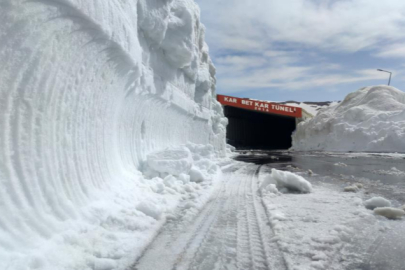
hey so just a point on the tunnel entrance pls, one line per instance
(257, 130)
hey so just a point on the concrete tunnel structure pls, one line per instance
(255, 124)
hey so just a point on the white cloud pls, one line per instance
(295, 78)
(392, 51)
(345, 25)
(302, 44)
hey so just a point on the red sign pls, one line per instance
(261, 106)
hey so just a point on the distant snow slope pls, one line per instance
(87, 90)
(370, 119)
(311, 107)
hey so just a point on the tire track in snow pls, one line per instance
(275, 257)
(231, 232)
(219, 236)
(170, 245)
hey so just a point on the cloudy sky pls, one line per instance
(306, 50)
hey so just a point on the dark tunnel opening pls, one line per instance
(255, 130)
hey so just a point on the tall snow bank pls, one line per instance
(87, 90)
(370, 119)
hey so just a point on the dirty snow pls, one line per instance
(370, 119)
(389, 212)
(351, 189)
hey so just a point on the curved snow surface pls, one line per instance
(87, 90)
(370, 119)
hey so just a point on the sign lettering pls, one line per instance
(261, 106)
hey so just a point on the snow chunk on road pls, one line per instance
(370, 119)
(389, 212)
(288, 180)
(377, 202)
(351, 189)
(171, 161)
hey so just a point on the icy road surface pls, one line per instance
(231, 232)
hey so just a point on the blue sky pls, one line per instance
(305, 50)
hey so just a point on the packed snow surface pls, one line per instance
(285, 180)
(312, 229)
(370, 119)
(91, 92)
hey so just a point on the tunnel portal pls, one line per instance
(256, 130)
(259, 125)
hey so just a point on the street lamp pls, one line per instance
(389, 81)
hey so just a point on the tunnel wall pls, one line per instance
(256, 130)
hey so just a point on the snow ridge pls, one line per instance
(87, 90)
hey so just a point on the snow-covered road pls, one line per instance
(231, 232)
(243, 228)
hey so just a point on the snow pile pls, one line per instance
(377, 202)
(370, 119)
(88, 89)
(279, 180)
(189, 163)
(170, 161)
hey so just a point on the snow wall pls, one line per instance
(370, 119)
(87, 90)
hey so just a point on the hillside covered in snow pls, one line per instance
(91, 93)
(370, 119)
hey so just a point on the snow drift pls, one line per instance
(370, 119)
(87, 90)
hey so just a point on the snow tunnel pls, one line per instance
(258, 124)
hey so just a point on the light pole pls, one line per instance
(389, 81)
